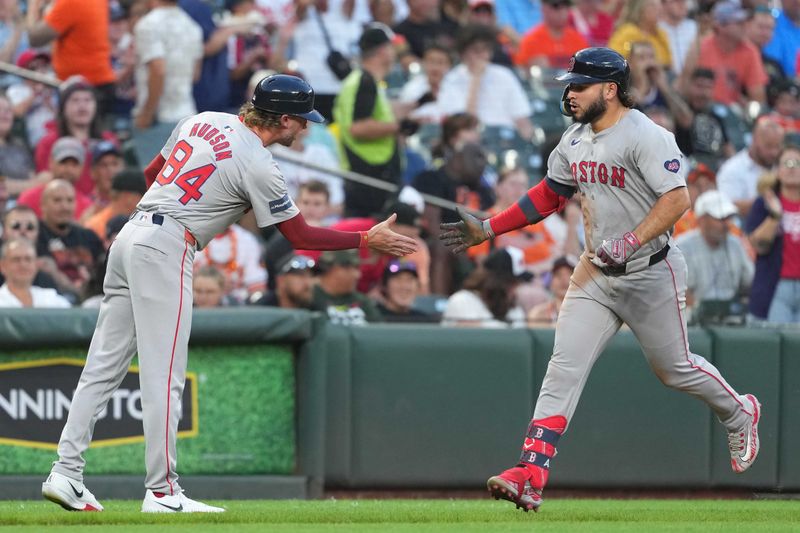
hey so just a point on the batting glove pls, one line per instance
(468, 232)
(618, 251)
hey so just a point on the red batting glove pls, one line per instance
(618, 251)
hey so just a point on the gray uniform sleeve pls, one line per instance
(173, 138)
(659, 160)
(268, 194)
(558, 168)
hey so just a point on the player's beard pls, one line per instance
(594, 111)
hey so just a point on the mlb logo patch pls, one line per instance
(672, 165)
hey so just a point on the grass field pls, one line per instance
(417, 516)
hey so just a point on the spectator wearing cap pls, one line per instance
(457, 180)
(169, 48)
(786, 40)
(425, 25)
(704, 138)
(336, 294)
(127, 188)
(784, 100)
(34, 103)
(75, 249)
(718, 265)
(739, 74)
(681, 30)
(546, 313)
(552, 43)
(80, 31)
(368, 128)
(699, 180)
(208, 288)
(237, 254)
(594, 24)
(16, 162)
(107, 162)
(67, 158)
(18, 266)
(639, 22)
(760, 28)
(488, 297)
(399, 290)
(773, 226)
(79, 117)
(294, 283)
(738, 176)
(491, 92)
(482, 12)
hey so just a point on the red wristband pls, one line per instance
(364, 243)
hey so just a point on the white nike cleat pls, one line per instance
(157, 502)
(743, 443)
(70, 494)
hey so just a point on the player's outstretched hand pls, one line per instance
(462, 235)
(383, 240)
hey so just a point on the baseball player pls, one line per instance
(629, 175)
(212, 170)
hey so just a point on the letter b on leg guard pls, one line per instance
(540, 447)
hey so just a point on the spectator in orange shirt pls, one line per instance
(736, 62)
(127, 188)
(80, 31)
(551, 43)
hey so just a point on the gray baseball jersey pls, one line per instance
(216, 170)
(621, 170)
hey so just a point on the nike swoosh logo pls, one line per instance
(177, 509)
(78, 494)
(574, 142)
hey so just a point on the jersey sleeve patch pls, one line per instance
(281, 204)
(673, 165)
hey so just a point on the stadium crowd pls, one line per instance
(448, 98)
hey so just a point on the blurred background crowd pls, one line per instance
(453, 99)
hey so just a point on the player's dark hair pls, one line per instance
(255, 117)
(315, 187)
(495, 291)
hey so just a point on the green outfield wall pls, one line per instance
(278, 393)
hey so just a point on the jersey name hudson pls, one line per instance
(215, 139)
(594, 172)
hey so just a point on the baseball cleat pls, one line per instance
(743, 443)
(70, 494)
(158, 502)
(514, 485)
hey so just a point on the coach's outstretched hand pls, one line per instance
(462, 235)
(382, 239)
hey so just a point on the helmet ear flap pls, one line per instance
(563, 103)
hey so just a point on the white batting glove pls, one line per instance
(618, 251)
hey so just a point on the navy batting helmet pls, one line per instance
(282, 94)
(595, 65)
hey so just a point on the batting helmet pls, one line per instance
(596, 65)
(282, 94)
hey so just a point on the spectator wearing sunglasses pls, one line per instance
(20, 222)
(294, 283)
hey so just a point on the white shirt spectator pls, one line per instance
(681, 38)
(501, 98)
(720, 273)
(237, 254)
(466, 308)
(311, 52)
(41, 112)
(738, 176)
(168, 33)
(412, 91)
(42, 298)
(295, 175)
